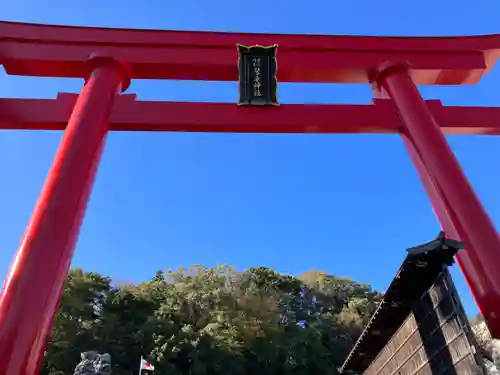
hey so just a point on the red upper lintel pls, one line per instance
(61, 51)
(131, 115)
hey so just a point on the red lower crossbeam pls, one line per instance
(129, 114)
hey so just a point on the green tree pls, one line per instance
(201, 320)
(77, 321)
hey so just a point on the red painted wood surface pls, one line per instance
(128, 114)
(453, 194)
(31, 292)
(62, 51)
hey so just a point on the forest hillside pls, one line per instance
(216, 321)
(201, 320)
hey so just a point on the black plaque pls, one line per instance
(257, 68)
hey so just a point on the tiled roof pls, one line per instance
(417, 273)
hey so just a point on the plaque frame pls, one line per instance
(246, 95)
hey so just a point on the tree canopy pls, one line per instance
(202, 320)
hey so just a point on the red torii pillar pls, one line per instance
(456, 205)
(31, 293)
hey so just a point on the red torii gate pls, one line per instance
(110, 58)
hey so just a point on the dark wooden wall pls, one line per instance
(435, 339)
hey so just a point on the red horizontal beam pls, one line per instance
(61, 51)
(131, 115)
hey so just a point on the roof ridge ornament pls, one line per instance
(445, 247)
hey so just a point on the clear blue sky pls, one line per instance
(349, 205)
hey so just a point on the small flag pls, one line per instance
(145, 365)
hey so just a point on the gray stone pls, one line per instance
(93, 363)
